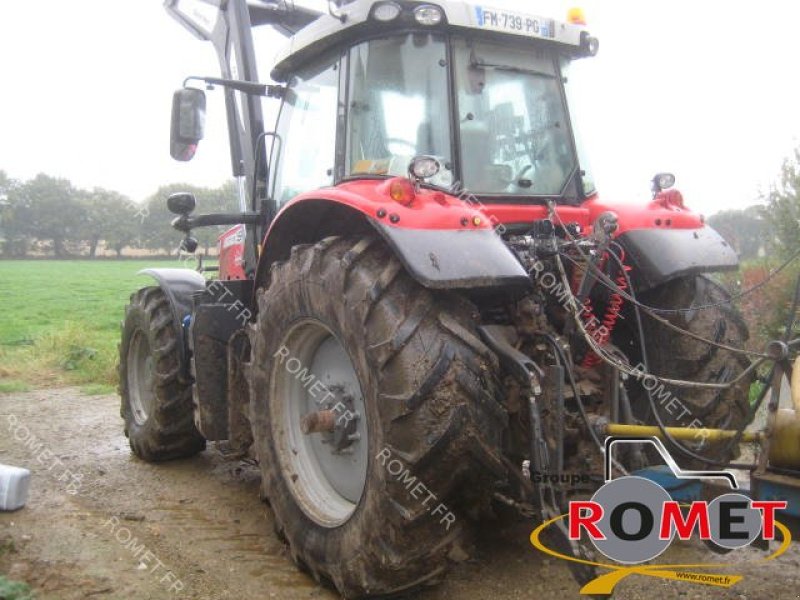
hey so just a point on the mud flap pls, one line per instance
(240, 431)
(661, 255)
(456, 259)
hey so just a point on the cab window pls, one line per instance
(308, 133)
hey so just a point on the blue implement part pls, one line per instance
(773, 486)
(681, 490)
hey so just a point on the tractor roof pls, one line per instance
(357, 20)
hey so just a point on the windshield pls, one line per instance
(514, 132)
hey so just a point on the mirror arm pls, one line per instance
(186, 223)
(247, 87)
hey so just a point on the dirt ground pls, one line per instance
(141, 531)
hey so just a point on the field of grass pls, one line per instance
(60, 321)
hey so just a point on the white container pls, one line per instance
(14, 485)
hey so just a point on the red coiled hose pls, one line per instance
(613, 313)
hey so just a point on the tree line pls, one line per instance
(772, 227)
(49, 215)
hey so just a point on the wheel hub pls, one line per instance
(140, 378)
(317, 418)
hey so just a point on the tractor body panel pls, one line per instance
(231, 254)
(454, 242)
(220, 310)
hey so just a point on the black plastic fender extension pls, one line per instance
(456, 259)
(660, 255)
(179, 285)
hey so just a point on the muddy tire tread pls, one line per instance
(441, 419)
(169, 432)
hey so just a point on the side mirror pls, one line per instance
(188, 123)
(181, 203)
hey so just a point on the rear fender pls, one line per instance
(443, 242)
(661, 255)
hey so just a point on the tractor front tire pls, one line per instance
(383, 514)
(156, 404)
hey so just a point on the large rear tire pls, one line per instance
(156, 404)
(678, 356)
(383, 515)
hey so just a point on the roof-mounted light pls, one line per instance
(428, 15)
(576, 16)
(590, 45)
(386, 11)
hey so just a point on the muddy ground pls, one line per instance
(141, 531)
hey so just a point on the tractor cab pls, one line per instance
(479, 92)
(474, 97)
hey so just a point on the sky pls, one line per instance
(706, 90)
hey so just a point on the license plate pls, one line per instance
(508, 21)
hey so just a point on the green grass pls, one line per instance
(8, 386)
(61, 321)
(14, 590)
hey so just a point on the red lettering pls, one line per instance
(586, 515)
(697, 517)
(769, 507)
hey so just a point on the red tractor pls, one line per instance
(425, 312)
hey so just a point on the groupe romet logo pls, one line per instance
(632, 520)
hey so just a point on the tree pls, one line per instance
(13, 243)
(783, 206)
(746, 230)
(156, 232)
(109, 216)
(47, 208)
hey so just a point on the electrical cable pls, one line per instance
(737, 296)
(608, 283)
(650, 311)
(654, 409)
(611, 285)
(638, 307)
(638, 374)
